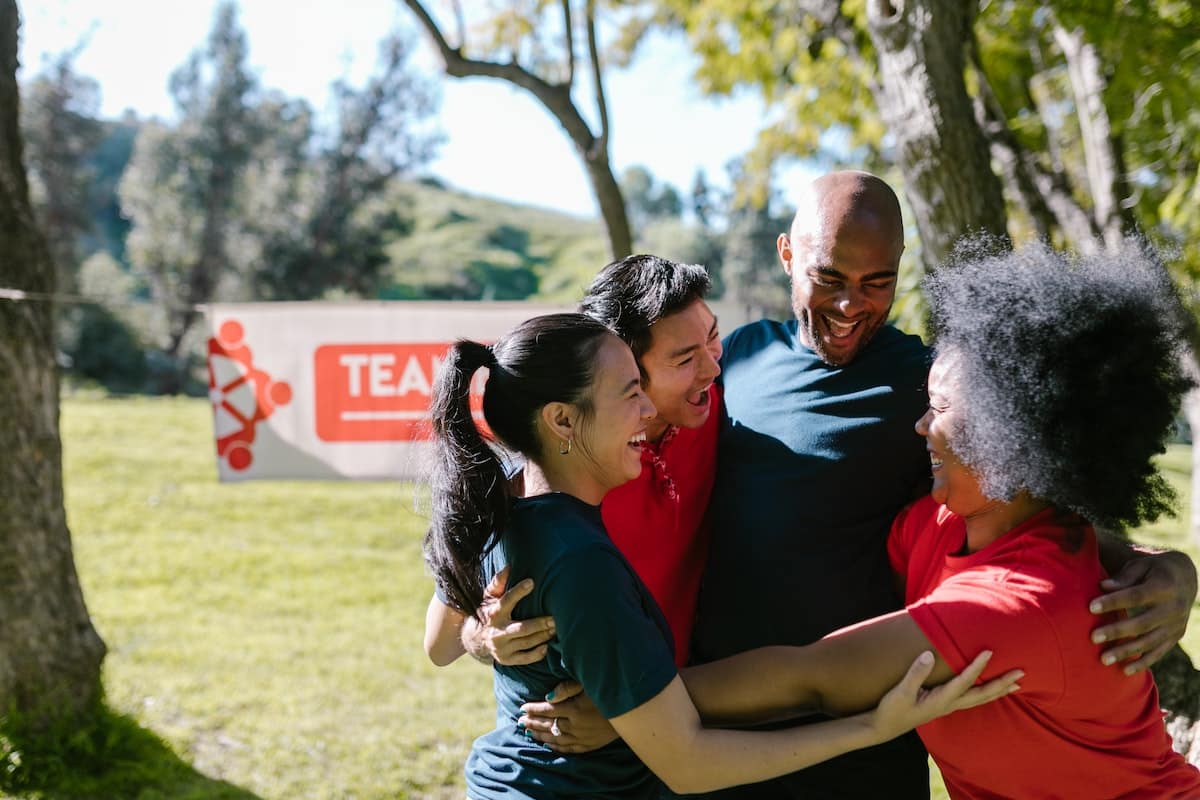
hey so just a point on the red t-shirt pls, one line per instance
(1076, 728)
(657, 519)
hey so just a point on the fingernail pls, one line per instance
(1095, 607)
(1108, 659)
(551, 627)
(1098, 637)
(1020, 674)
(987, 655)
(926, 657)
(1016, 687)
(1130, 670)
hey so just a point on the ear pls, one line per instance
(784, 247)
(559, 419)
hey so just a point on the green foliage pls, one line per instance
(647, 199)
(106, 351)
(60, 131)
(322, 222)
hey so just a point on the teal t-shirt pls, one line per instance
(611, 637)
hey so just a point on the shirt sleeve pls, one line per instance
(991, 609)
(610, 639)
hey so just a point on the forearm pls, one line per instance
(666, 733)
(846, 672)
(755, 686)
(442, 632)
(716, 759)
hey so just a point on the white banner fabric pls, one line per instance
(335, 390)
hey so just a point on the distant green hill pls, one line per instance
(464, 247)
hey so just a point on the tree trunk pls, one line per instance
(1099, 151)
(921, 94)
(49, 652)
(611, 202)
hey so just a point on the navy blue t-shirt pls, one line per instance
(814, 462)
(610, 636)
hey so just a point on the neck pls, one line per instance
(998, 518)
(564, 474)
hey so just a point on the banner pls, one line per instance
(336, 390)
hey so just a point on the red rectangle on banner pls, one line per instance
(378, 392)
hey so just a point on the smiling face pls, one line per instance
(954, 484)
(680, 365)
(610, 429)
(843, 284)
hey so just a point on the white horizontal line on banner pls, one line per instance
(359, 416)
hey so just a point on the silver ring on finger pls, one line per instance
(554, 729)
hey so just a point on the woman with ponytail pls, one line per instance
(565, 393)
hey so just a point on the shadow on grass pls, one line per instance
(107, 757)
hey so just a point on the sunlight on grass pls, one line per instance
(269, 632)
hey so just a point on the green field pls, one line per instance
(268, 634)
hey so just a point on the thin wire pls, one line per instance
(20, 295)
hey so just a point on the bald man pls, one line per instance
(817, 454)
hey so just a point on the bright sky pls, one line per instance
(499, 141)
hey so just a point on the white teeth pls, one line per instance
(840, 329)
(935, 461)
(638, 438)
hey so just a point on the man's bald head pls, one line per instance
(842, 254)
(848, 195)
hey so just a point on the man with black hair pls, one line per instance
(657, 307)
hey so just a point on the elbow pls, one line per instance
(440, 653)
(684, 782)
(688, 780)
(438, 659)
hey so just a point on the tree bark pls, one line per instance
(556, 97)
(921, 94)
(1100, 153)
(49, 652)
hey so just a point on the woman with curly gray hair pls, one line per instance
(1056, 382)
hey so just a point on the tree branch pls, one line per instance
(1099, 146)
(569, 37)
(594, 54)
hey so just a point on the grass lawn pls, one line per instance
(266, 636)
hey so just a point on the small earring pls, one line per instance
(564, 447)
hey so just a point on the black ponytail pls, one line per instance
(469, 494)
(546, 359)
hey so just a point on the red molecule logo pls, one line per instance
(242, 395)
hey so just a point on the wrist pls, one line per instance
(472, 640)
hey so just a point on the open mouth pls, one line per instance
(699, 399)
(840, 330)
(935, 461)
(636, 440)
